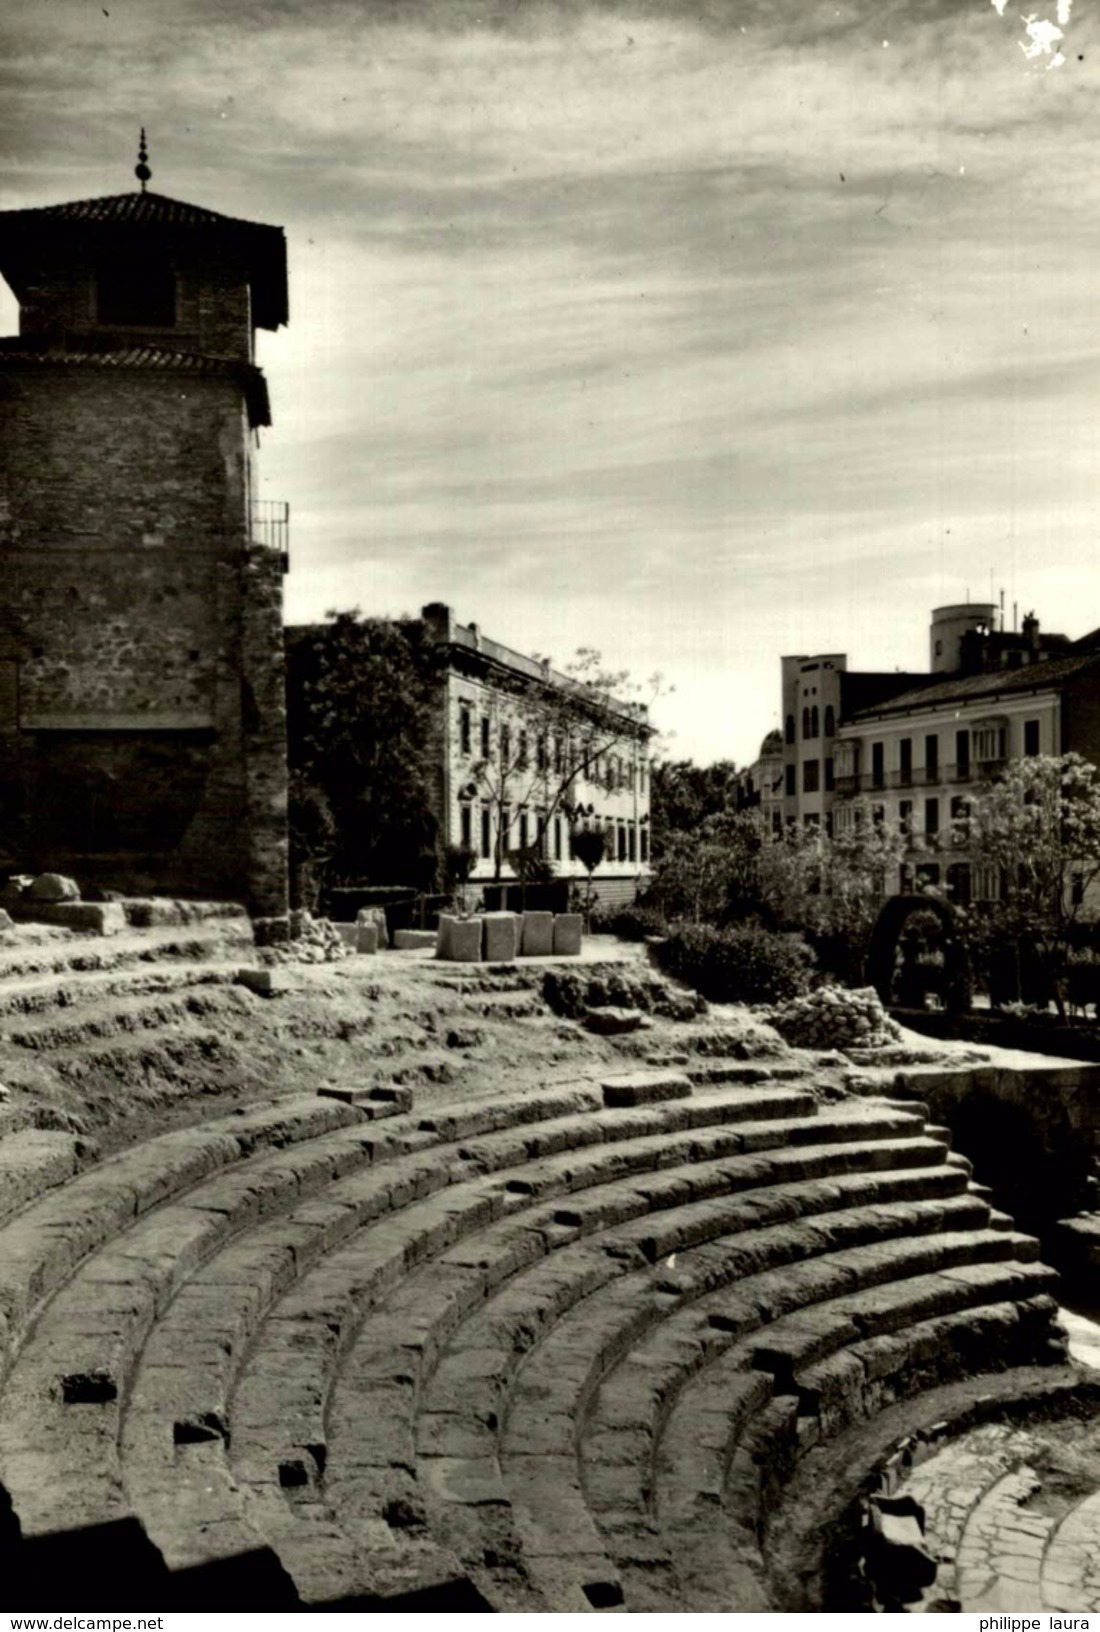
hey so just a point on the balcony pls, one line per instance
(270, 527)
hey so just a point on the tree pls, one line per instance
(1038, 829)
(546, 737)
(685, 795)
(359, 710)
(709, 873)
(832, 888)
(588, 845)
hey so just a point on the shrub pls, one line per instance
(630, 923)
(741, 964)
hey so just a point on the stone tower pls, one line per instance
(142, 712)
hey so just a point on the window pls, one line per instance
(622, 841)
(878, 815)
(1031, 738)
(962, 754)
(466, 818)
(958, 883)
(557, 838)
(486, 833)
(505, 827)
(905, 760)
(464, 725)
(931, 816)
(505, 745)
(643, 840)
(524, 836)
(989, 744)
(1077, 887)
(632, 842)
(830, 779)
(523, 750)
(931, 758)
(788, 730)
(541, 759)
(928, 873)
(829, 823)
(878, 765)
(788, 781)
(559, 757)
(136, 292)
(811, 771)
(777, 823)
(830, 721)
(805, 725)
(485, 735)
(815, 726)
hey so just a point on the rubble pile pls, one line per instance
(834, 1017)
(312, 940)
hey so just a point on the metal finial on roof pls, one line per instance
(141, 168)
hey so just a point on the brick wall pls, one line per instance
(148, 748)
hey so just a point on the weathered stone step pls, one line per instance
(360, 1196)
(32, 1161)
(78, 954)
(712, 1500)
(653, 1357)
(50, 1238)
(798, 1535)
(107, 1018)
(43, 994)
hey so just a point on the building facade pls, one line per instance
(142, 706)
(760, 785)
(919, 757)
(524, 756)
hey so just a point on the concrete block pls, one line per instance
(264, 982)
(459, 940)
(366, 936)
(537, 935)
(376, 916)
(645, 1087)
(610, 1021)
(86, 917)
(348, 934)
(501, 936)
(568, 927)
(408, 940)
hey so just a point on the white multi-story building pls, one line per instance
(526, 756)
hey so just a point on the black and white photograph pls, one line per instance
(549, 810)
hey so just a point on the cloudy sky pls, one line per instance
(695, 332)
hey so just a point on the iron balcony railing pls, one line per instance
(271, 526)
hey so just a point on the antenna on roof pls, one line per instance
(141, 168)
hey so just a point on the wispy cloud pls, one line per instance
(697, 329)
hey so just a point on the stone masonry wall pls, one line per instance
(146, 749)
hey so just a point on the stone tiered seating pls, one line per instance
(510, 1352)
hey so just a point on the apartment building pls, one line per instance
(525, 755)
(919, 755)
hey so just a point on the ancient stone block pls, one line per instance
(567, 934)
(501, 936)
(87, 917)
(407, 940)
(537, 934)
(52, 887)
(459, 939)
(644, 1087)
(376, 916)
(366, 935)
(609, 1021)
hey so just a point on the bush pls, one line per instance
(629, 923)
(741, 964)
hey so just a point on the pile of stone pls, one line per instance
(834, 1017)
(312, 940)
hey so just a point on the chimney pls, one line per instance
(1031, 631)
(440, 620)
